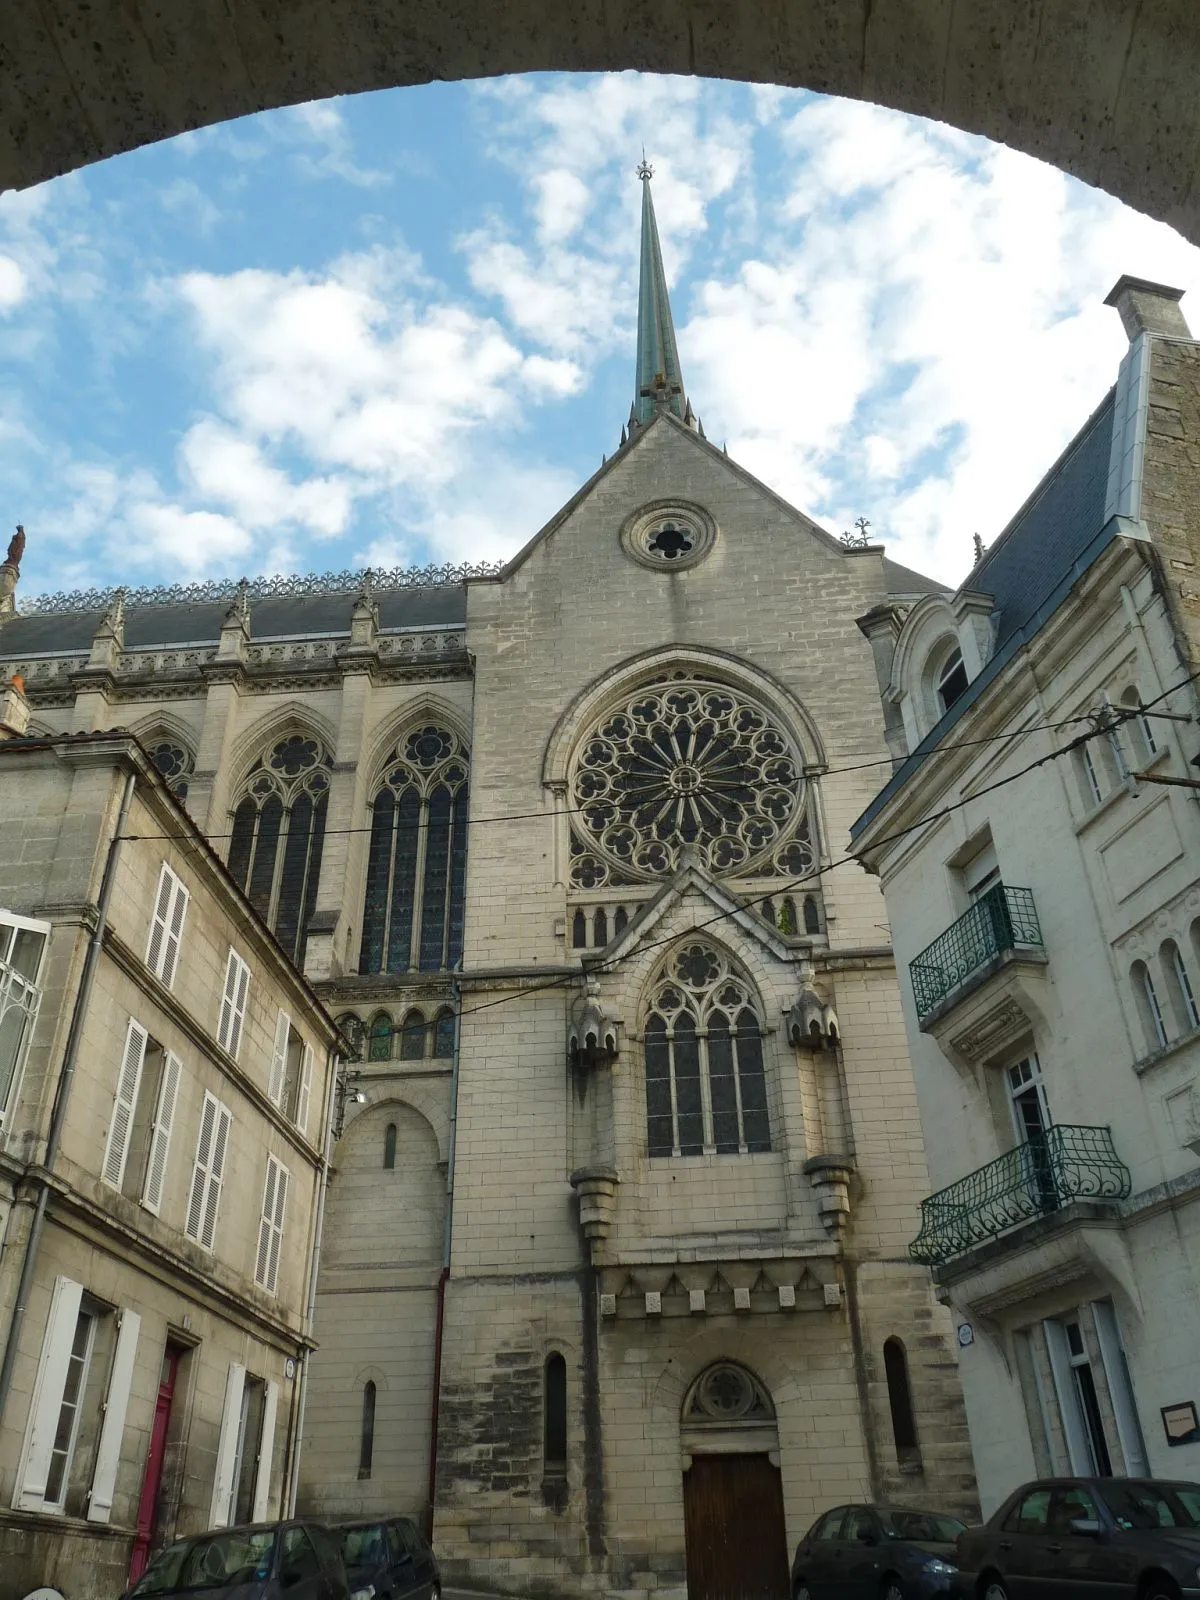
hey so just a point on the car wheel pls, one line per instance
(993, 1587)
(1158, 1587)
(892, 1589)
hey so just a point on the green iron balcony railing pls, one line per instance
(1062, 1164)
(999, 920)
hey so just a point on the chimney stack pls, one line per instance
(1147, 307)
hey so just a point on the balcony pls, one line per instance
(1034, 1180)
(1001, 922)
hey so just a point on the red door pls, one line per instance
(152, 1479)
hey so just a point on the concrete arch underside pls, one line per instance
(1102, 88)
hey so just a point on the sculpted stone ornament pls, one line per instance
(592, 1036)
(16, 549)
(812, 1022)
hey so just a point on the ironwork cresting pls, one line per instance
(1064, 1163)
(1000, 920)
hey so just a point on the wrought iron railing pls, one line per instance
(1064, 1163)
(999, 920)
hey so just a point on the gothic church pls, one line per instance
(614, 1258)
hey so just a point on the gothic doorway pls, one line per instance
(734, 1530)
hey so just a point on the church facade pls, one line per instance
(614, 1255)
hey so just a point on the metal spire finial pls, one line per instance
(645, 171)
(659, 382)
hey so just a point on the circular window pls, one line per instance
(669, 535)
(684, 761)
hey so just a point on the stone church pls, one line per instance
(614, 1271)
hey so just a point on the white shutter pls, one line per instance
(48, 1393)
(1120, 1389)
(160, 920)
(231, 1420)
(233, 1004)
(265, 1224)
(116, 1403)
(128, 1080)
(278, 1078)
(160, 1138)
(281, 1190)
(175, 922)
(262, 1483)
(1074, 1431)
(208, 1227)
(204, 1140)
(305, 1095)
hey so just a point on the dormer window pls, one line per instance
(952, 680)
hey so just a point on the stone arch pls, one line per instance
(294, 716)
(1031, 79)
(375, 1217)
(414, 713)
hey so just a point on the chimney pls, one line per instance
(1147, 307)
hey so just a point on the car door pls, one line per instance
(401, 1563)
(858, 1555)
(818, 1564)
(1018, 1550)
(1086, 1566)
(301, 1575)
(422, 1557)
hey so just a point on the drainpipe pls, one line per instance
(62, 1094)
(288, 1508)
(444, 1274)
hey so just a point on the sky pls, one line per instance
(398, 328)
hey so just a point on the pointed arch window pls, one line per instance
(416, 867)
(278, 836)
(174, 763)
(706, 1090)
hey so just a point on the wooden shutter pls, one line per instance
(170, 960)
(305, 1094)
(160, 920)
(231, 1418)
(278, 1078)
(233, 1004)
(216, 1172)
(265, 1223)
(262, 1483)
(48, 1393)
(128, 1079)
(195, 1212)
(116, 1404)
(281, 1189)
(160, 1138)
(1070, 1413)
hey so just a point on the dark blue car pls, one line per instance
(263, 1561)
(389, 1558)
(877, 1553)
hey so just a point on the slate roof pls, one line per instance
(1030, 569)
(903, 580)
(291, 616)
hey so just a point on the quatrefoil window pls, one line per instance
(671, 541)
(669, 534)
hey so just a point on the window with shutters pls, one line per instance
(290, 1083)
(270, 1228)
(212, 1143)
(23, 945)
(139, 1133)
(166, 926)
(278, 836)
(416, 864)
(232, 1019)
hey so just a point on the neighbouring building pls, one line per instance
(614, 1273)
(1039, 850)
(166, 1080)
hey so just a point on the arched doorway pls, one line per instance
(736, 1538)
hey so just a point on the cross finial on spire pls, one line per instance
(645, 171)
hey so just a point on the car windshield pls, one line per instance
(927, 1527)
(1153, 1505)
(363, 1547)
(216, 1562)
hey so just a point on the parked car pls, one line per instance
(1089, 1538)
(877, 1553)
(293, 1560)
(390, 1556)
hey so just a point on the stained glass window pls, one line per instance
(417, 857)
(706, 1088)
(278, 837)
(175, 764)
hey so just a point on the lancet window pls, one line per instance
(278, 835)
(416, 868)
(706, 1090)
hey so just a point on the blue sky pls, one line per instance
(398, 328)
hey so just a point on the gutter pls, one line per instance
(62, 1094)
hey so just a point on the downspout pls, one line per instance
(288, 1508)
(62, 1094)
(444, 1274)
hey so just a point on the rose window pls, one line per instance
(687, 762)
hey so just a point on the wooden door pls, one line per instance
(152, 1477)
(734, 1527)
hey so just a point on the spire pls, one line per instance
(659, 381)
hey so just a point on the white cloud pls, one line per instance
(13, 286)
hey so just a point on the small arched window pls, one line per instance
(600, 929)
(904, 1425)
(951, 679)
(443, 1036)
(1149, 1009)
(554, 1417)
(366, 1448)
(278, 836)
(417, 858)
(579, 931)
(412, 1037)
(812, 915)
(620, 921)
(787, 917)
(1179, 987)
(380, 1045)
(389, 1148)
